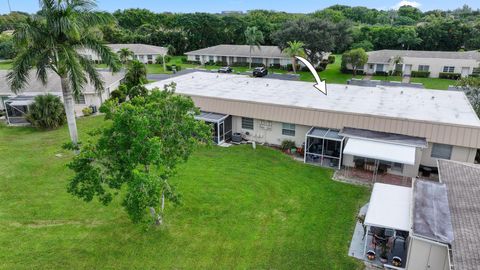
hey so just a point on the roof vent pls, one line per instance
(401, 92)
(267, 85)
(433, 97)
(217, 76)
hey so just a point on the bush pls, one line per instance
(420, 74)
(120, 94)
(47, 112)
(395, 73)
(176, 67)
(159, 59)
(449, 75)
(169, 67)
(349, 71)
(239, 64)
(331, 59)
(221, 63)
(277, 66)
(381, 73)
(319, 68)
(87, 111)
(184, 60)
(287, 145)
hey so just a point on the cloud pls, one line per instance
(407, 3)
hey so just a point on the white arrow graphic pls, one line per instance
(320, 85)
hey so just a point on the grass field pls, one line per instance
(6, 64)
(242, 209)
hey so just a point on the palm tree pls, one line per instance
(295, 48)
(136, 74)
(125, 54)
(51, 40)
(253, 37)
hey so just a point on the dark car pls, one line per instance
(225, 70)
(260, 72)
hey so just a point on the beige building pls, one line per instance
(17, 104)
(396, 129)
(240, 54)
(146, 54)
(434, 62)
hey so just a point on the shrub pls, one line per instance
(159, 59)
(47, 112)
(320, 68)
(239, 64)
(381, 73)
(395, 73)
(287, 145)
(277, 66)
(87, 111)
(184, 60)
(349, 71)
(221, 63)
(331, 59)
(169, 67)
(449, 75)
(420, 74)
(120, 93)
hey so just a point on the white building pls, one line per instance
(20, 102)
(240, 54)
(394, 129)
(142, 52)
(434, 62)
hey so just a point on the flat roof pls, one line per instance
(463, 188)
(389, 207)
(449, 107)
(431, 213)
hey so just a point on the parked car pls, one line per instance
(260, 72)
(225, 70)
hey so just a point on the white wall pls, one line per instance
(462, 154)
(427, 255)
(435, 65)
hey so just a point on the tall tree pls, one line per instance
(471, 86)
(409, 38)
(356, 58)
(125, 55)
(51, 42)
(139, 153)
(295, 48)
(253, 38)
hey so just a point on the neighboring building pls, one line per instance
(232, 54)
(396, 129)
(17, 105)
(142, 52)
(430, 225)
(434, 62)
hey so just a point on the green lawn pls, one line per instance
(434, 83)
(7, 64)
(242, 209)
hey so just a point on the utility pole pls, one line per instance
(9, 7)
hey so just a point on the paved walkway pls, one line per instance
(406, 79)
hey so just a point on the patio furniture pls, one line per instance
(426, 171)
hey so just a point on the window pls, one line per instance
(379, 67)
(210, 58)
(80, 99)
(441, 151)
(247, 123)
(288, 129)
(448, 69)
(257, 60)
(423, 68)
(276, 61)
(197, 57)
(241, 59)
(150, 57)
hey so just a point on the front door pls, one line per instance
(408, 70)
(221, 132)
(465, 71)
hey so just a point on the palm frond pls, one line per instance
(18, 76)
(74, 70)
(106, 54)
(92, 73)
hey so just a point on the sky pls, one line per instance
(215, 6)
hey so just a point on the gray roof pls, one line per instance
(241, 51)
(385, 56)
(140, 48)
(53, 85)
(450, 107)
(431, 214)
(384, 136)
(463, 184)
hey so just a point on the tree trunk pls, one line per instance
(250, 66)
(354, 71)
(69, 109)
(294, 64)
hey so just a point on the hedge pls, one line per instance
(350, 71)
(420, 74)
(381, 73)
(449, 75)
(331, 59)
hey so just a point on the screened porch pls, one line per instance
(17, 108)
(323, 147)
(221, 125)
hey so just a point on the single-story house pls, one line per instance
(434, 62)
(142, 52)
(430, 225)
(240, 54)
(397, 129)
(16, 105)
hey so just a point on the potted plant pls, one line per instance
(397, 261)
(371, 255)
(384, 255)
